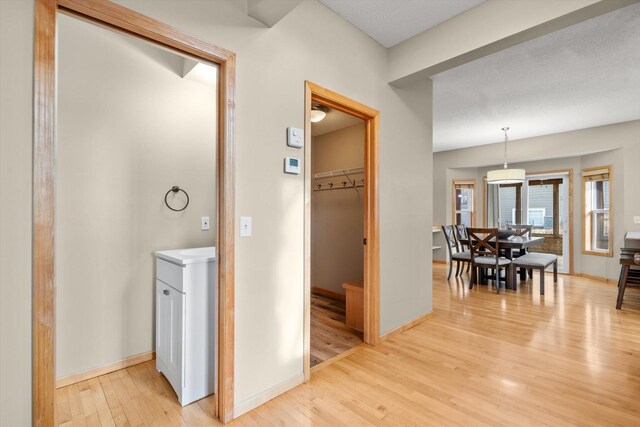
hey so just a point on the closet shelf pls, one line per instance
(339, 172)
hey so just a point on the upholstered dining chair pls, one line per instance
(485, 254)
(455, 254)
(524, 230)
(461, 234)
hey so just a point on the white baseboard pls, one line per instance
(255, 401)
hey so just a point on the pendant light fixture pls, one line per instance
(318, 113)
(506, 175)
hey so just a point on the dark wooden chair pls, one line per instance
(629, 271)
(455, 254)
(485, 254)
(461, 234)
(522, 230)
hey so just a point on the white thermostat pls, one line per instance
(291, 165)
(295, 137)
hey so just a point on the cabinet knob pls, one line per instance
(166, 292)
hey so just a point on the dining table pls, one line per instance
(509, 244)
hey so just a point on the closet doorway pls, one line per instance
(341, 223)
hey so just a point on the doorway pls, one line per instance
(337, 225)
(546, 197)
(123, 20)
(347, 183)
(545, 201)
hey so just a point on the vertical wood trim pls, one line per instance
(315, 93)
(570, 221)
(484, 201)
(44, 95)
(226, 240)
(119, 18)
(372, 229)
(307, 232)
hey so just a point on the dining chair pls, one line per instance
(461, 235)
(455, 254)
(524, 230)
(485, 254)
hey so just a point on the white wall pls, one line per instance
(337, 216)
(617, 145)
(271, 69)
(129, 128)
(16, 119)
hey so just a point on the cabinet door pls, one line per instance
(162, 321)
(175, 342)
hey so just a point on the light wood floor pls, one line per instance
(330, 336)
(514, 359)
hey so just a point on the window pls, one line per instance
(464, 202)
(598, 221)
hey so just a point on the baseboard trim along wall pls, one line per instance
(262, 398)
(589, 276)
(400, 329)
(327, 292)
(106, 369)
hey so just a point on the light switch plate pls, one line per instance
(204, 223)
(295, 137)
(636, 219)
(245, 226)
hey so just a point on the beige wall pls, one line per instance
(337, 216)
(617, 145)
(16, 118)
(129, 128)
(273, 64)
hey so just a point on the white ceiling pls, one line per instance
(390, 22)
(334, 120)
(582, 76)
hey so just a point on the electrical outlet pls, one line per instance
(636, 219)
(204, 223)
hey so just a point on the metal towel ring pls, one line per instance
(175, 189)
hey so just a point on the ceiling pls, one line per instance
(582, 76)
(334, 120)
(390, 22)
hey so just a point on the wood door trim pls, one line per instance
(316, 93)
(119, 18)
(571, 225)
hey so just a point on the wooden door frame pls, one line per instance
(317, 94)
(118, 18)
(549, 172)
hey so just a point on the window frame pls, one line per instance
(467, 183)
(587, 211)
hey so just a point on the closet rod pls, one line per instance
(338, 172)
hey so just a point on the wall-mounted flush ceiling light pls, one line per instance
(318, 113)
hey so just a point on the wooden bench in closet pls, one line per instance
(354, 305)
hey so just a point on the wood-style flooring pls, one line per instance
(330, 336)
(482, 359)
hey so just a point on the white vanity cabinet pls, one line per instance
(186, 321)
